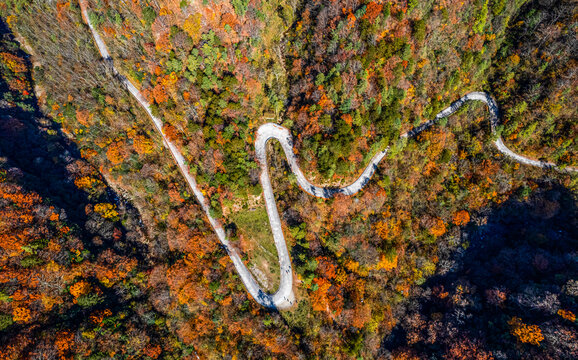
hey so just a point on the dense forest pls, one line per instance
(451, 250)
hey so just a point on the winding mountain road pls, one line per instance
(284, 297)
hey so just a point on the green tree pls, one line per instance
(149, 15)
(481, 19)
(418, 30)
(240, 6)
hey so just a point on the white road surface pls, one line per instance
(284, 297)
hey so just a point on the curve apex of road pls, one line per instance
(284, 298)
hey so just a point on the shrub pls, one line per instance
(418, 30)
(5, 321)
(30, 261)
(481, 18)
(406, 52)
(446, 156)
(95, 19)
(467, 60)
(411, 4)
(149, 15)
(498, 6)
(88, 300)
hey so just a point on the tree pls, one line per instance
(192, 26)
(461, 217)
(530, 334)
(419, 30)
(83, 117)
(106, 210)
(149, 15)
(467, 349)
(319, 300)
(567, 314)
(240, 6)
(373, 11)
(21, 314)
(388, 229)
(64, 342)
(387, 262)
(481, 18)
(160, 94)
(143, 145)
(434, 225)
(116, 152)
(79, 288)
(361, 315)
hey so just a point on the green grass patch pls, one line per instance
(254, 225)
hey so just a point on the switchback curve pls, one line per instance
(284, 297)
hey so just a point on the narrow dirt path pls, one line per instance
(284, 297)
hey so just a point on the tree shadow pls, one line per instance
(46, 159)
(518, 262)
(40, 158)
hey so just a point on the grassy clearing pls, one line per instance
(253, 224)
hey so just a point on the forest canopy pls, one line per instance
(452, 250)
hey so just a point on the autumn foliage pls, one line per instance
(106, 210)
(319, 300)
(461, 217)
(21, 314)
(530, 334)
(142, 275)
(567, 314)
(437, 227)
